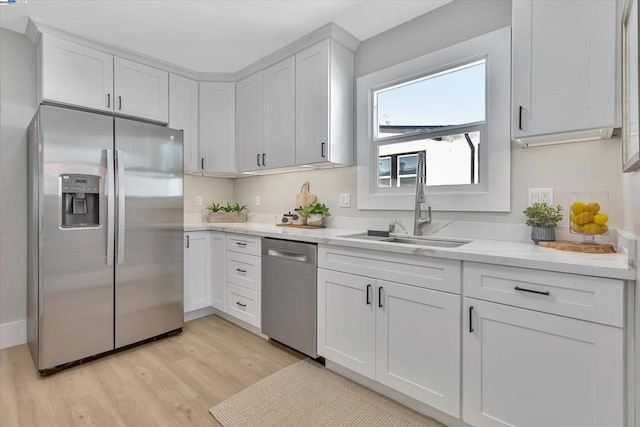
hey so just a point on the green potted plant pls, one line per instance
(226, 213)
(314, 213)
(543, 218)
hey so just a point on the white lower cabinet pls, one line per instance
(197, 270)
(526, 368)
(403, 336)
(218, 292)
(243, 276)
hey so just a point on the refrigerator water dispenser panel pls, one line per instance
(80, 201)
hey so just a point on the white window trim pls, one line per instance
(492, 194)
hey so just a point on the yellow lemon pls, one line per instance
(572, 216)
(584, 218)
(578, 207)
(593, 207)
(600, 219)
(591, 228)
(576, 228)
(604, 228)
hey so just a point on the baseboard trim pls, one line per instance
(196, 314)
(13, 333)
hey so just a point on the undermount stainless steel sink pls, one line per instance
(411, 240)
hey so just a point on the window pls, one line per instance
(452, 104)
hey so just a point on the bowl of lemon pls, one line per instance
(588, 214)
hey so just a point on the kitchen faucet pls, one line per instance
(419, 220)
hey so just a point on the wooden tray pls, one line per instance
(564, 245)
(300, 226)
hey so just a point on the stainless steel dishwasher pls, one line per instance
(289, 293)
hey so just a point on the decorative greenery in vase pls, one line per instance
(543, 218)
(314, 212)
(226, 213)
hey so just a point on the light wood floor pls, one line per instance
(171, 382)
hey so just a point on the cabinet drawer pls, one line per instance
(244, 270)
(244, 243)
(243, 304)
(433, 273)
(582, 297)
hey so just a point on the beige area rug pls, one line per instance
(308, 394)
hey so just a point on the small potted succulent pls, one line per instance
(226, 213)
(543, 218)
(314, 213)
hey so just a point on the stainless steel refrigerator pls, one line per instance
(105, 255)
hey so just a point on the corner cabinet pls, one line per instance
(324, 104)
(546, 349)
(216, 138)
(564, 67)
(197, 270)
(385, 330)
(249, 151)
(73, 74)
(183, 114)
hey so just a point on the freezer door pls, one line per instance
(149, 253)
(75, 284)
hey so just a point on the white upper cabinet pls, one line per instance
(217, 128)
(324, 104)
(140, 90)
(564, 68)
(279, 96)
(183, 114)
(249, 117)
(75, 75)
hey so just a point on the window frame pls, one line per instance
(492, 193)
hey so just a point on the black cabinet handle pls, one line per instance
(240, 304)
(518, 288)
(239, 270)
(322, 150)
(471, 319)
(258, 159)
(202, 163)
(241, 244)
(380, 297)
(368, 294)
(119, 103)
(263, 156)
(520, 118)
(108, 100)
(187, 242)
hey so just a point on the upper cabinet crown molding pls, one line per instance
(328, 31)
(564, 71)
(36, 28)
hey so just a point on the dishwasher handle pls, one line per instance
(291, 256)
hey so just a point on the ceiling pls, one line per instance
(211, 35)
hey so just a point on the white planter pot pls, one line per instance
(314, 219)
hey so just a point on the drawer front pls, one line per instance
(582, 297)
(243, 304)
(244, 270)
(432, 273)
(244, 243)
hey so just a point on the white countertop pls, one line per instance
(515, 254)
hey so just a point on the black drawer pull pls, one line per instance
(380, 297)
(108, 100)
(470, 319)
(368, 294)
(241, 304)
(520, 118)
(518, 288)
(241, 244)
(239, 270)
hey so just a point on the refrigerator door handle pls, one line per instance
(111, 187)
(121, 198)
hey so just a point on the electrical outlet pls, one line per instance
(345, 200)
(541, 195)
(257, 201)
(198, 200)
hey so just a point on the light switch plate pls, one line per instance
(541, 195)
(198, 200)
(257, 201)
(345, 200)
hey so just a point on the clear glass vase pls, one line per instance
(589, 214)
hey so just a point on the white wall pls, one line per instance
(17, 107)
(212, 190)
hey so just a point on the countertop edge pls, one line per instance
(511, 254)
